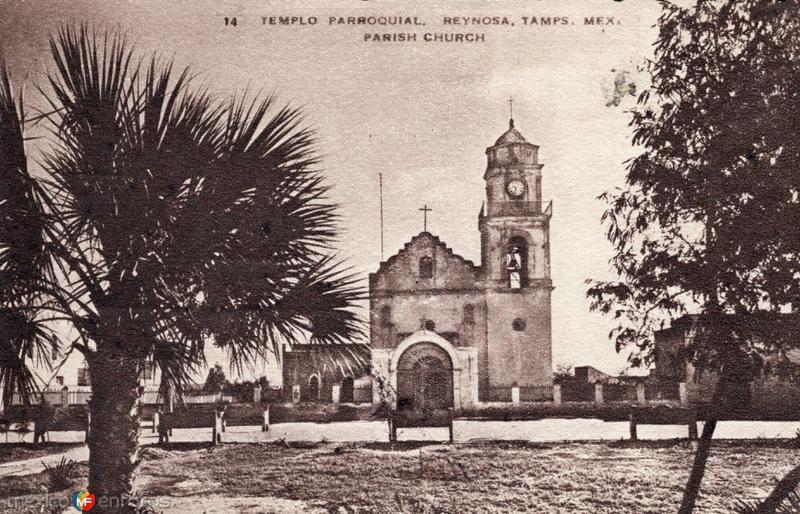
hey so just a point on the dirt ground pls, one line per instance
(476, 477)
(22, 451)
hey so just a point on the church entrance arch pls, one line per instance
(424, 378)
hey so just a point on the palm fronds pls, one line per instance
(171, 216)
(790, 505)
(24, 264)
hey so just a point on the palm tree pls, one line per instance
(163, 218)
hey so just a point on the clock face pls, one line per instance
(515, 188)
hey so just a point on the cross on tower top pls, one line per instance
(511, 112)
(425, 210)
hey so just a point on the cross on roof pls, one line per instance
(425, 210)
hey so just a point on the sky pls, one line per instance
(420, 113)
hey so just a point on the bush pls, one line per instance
(61, 475)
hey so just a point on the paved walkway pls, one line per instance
(464, 430)
(33, 466)
(532, 430)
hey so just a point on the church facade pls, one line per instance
(446, 332)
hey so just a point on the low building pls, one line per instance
(313, 370)
(771, 393)
(593, 375)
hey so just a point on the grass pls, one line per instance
(490, 476)
(595, 477)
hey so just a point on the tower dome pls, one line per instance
(510, 136)
(510, 150)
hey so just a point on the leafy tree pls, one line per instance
(708, 220)
(164, 218)
(215, 381)
(563, 373)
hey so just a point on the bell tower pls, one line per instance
(515, 261)
(514, 224)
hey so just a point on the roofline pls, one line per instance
(437, 242)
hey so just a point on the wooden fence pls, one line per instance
(56, 397)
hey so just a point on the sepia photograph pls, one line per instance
(371, 256)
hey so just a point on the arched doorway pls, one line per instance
(313, 389)
(346, 394)
(424, 378)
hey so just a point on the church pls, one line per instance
(445, 332)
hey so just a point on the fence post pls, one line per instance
(450, 425)
(257, 394)
(265, 424)
(336, 394)
(515, 395)
(598, 393)
(682, 393)
(641, 395)
(171, 400)
(557, 394)
(65, 396)
(216, 433)
(156, 420)
(296, 393)
(632, 420)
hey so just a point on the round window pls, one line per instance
(518, 324)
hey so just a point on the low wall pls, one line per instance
(653, 413)
(526, 394)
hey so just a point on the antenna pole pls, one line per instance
(380, 184)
